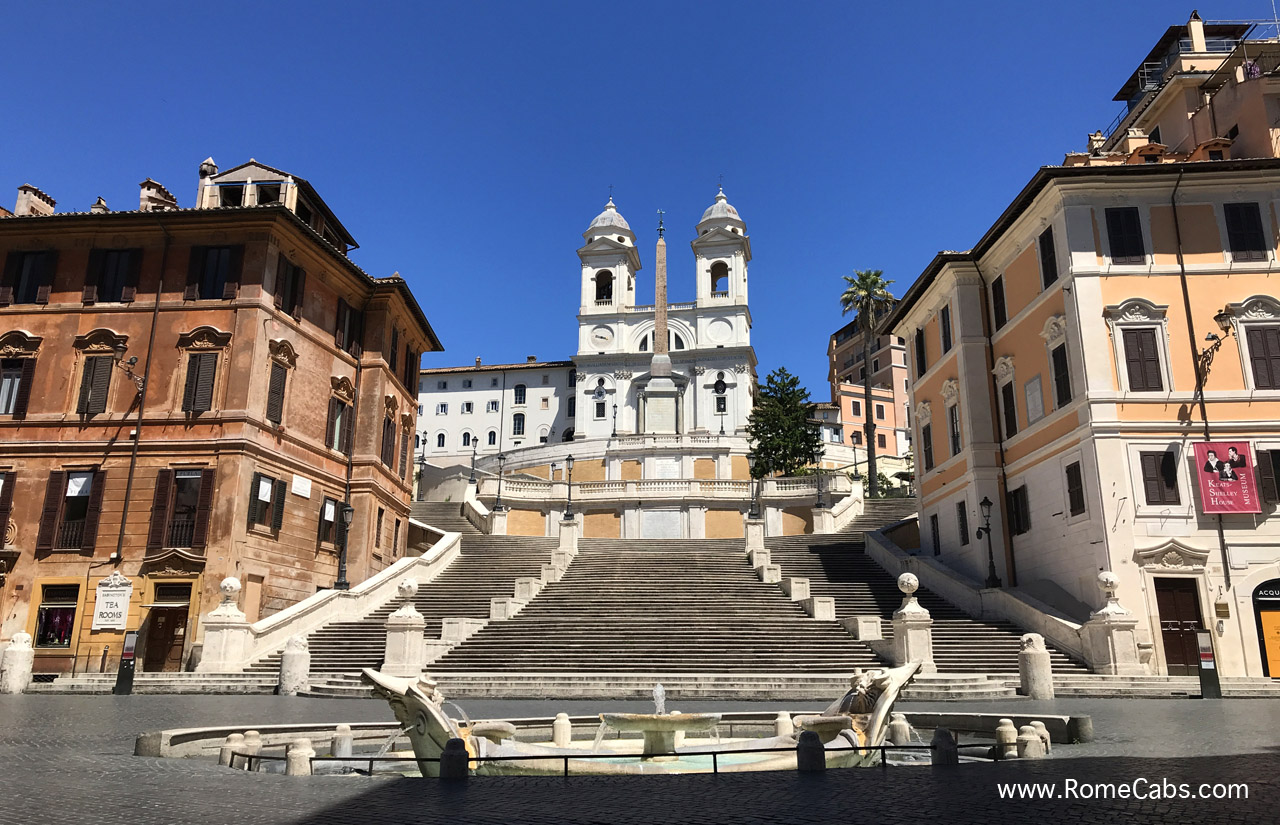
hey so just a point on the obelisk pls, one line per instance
(660, 394)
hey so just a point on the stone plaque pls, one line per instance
(660, 415)
(111, 610)
(301, 486)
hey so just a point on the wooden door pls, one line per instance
(165, 637)
(1178, 601)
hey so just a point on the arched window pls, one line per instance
(604, 287)
(493, 437)
(417, 442)
(519, 394)
(644, 344)
(517, 424)
(466, 439)
(543, 434)
(573, 378)
(567, 435)
(440, 441)
(720, 279)
(676, 341)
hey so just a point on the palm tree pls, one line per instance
(867, 293)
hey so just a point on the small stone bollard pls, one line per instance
(16, 663)
(454, 760)
(677, 737)
(782, 724)
(561, 731)
(1044, 735)
(295, 667)
(899, 730)
(297, 761)
(944, 753)
(1035, 671)
(252, 742)
(811, 755)
(1006, 740)
(1029, 744)
(341, 741)
(234, 743)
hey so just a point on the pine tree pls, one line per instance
(783, 439)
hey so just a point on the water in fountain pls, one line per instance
(465, 718)
(659, 699)
(386, 746)
(595, 746)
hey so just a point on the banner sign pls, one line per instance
(1227, 481)
(111, 610)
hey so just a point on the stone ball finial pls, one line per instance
(908, 583)
(407, 588)
(298, 642)
(1033, 641)
(1108, 581)
(230, 588)
(20, 641)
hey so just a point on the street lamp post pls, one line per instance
(348, 512)
(615, 422)
(822, 502)
(754, 512)
(421, 461)
(568, 507)
(502, 458)
(985, 530)
(475, 445)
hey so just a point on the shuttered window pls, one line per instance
(962, 522)
(412, 361)
(1264, 356)
(394, 353)
(934, 537)
(1009, 406)
(72, 507)
(213, 273)
(348, 330)
(95, 381)
(944, 327)
(1019, 511)
(7, 480)
(1245, 234)
(1142, 360)
(28, 277)
(180, 509)
(16, 375)
(388, 442)
(197, 395)
(112, 276)
(1061, 376)
(1075, 489)
(998, 308)
(338, 429)
(1124, 232)
(953, 428)
(291, 285)
(275, 394)
(926, 444)
(1160, 477)
(266, 502)
(1268, 464)
(404, 454)
(922, 358)
(1048, 258)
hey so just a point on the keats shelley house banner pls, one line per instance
(1227, 480)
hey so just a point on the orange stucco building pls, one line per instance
(189, 394)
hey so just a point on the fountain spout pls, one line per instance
(659, 699)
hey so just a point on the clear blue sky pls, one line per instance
(467, 145)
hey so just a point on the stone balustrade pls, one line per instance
(782, 492)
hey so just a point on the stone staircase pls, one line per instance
(837, 566)
(443, 515)
(487, 567)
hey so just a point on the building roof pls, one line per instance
(1037, 184)
(609, 218)
(1212, 31)
(313, 197)
(721, 210)
(395, 283)
(522, 365)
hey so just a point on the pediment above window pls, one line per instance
(18, 344)
(343, 388)
(101, 340)
(282, 352)
(205, 338)
(1172, 554)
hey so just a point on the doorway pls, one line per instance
(1266, 607)
(1178, 602)
(166, 634)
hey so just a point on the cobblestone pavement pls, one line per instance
(68, 759)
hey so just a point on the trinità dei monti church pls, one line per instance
(651, 411)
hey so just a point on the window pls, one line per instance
(1033, 394)
(571, 407)
(856, 407)
(72, 503)
(719, 279)
(493, 437)
(1216, 154)
(1061, 376)
(962, 522)
(1124, 232)
(329, 521)
(1245, 235)
(519, 394)
(517, 424)
(440, 441)
(7, 480)
(275, 394)
(419, 409)
(466, 439)
(443, 385)
(1268, 464)
(404, 453)
(377, 530)
(112, 275)
(862, 373)
(56, 616)
(442, 408)
(880, 442)
(600, 414)
(1075, 489)
(879, 412)
(926, 444)
(922, 360)
(492, 407)
(467, 408)
(388, 452)
(338, 430)
(95, 382)
(722, 404)
(1160, 477)
(944, 327)
(1142, 359)
(953, 427)
(934, 538)
(466, 383)
(266, 502)
(546, 380)
(291, 286)
(875, 365)
(28, 277)
(1048, 258)
(1019, 511)
(394, 364)
(1264, 355)
(16, 375)
(180, 509)
(493, 382)
(197, 394)
(395, 539)
(604, 287)
(1009, 407)
(348, 331)
(546, 403)
(998, 309)
(213, 273)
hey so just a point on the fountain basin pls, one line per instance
(827, 727)
(659, 730)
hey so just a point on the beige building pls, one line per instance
(1119, 313)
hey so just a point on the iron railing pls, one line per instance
(181, 532)
(70, 535)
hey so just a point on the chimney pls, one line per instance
(531, 359)
(208, 169)
(477, 360)
(155, 198)
(31, 201)
(1096, 141)
(99, 206)
(1195, 31)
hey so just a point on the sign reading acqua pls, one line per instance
(112, 608)
(1227, 481)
